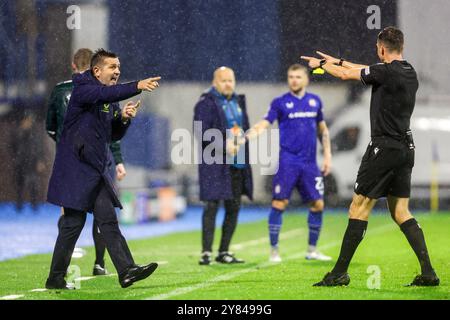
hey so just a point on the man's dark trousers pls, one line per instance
(72, 225)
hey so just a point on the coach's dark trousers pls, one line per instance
(232, 207)
(71, 226)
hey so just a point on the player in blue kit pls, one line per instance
(300, 118)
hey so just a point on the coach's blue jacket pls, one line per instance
(215, 179)
(92, 121)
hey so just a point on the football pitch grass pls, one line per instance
(384, 254)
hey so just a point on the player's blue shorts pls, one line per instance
(306, 177)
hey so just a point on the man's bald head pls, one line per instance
(224, 81)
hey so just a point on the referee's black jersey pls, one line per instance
(394, 87)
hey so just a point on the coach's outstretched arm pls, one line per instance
(336, 71)
(98, 94)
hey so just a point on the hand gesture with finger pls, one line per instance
(313, 63)
(329, 58)
(130, 110)
(149, 84)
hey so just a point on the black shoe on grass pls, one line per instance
(136, 273)
(425, 280)
(99, 271)
(228, 258)
(61, 284)
(205, 259)
(334, 280)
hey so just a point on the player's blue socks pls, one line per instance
(314, 224)
(275, 220)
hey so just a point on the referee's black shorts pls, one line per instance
(385, 169)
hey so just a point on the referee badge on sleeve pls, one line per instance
(367, 71)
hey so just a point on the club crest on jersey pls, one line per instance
(312, 102)
(289, 105)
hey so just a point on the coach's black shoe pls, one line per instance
(136, 273)
(205, 259)
(99, 270)
(228, 258)
(60, 284)
(334, 280)
(425, 280)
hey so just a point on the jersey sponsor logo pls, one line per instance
(106, 108)
(289, 105)
(308, 114)
(312, 102)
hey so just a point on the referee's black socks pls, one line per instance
(416, 239)
(352, 237)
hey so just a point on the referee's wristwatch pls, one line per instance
(322, 62)
(341, 62)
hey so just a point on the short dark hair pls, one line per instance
(82, 58)
(298, 66)
(392, 38)
(100, 55)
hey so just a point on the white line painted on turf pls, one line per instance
(12, 297)
(38, 290)
(283, 236)
(83, 278)
(231, 275)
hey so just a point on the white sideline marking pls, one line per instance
(283, 236)
(231, 275)
(38, 290)
(83, 278)
(12, 297)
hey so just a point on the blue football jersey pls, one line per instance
(297, 121)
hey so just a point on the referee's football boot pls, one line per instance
(425, 280)
(334, 280)
(136, 273)
(205, 259)
(228, 258)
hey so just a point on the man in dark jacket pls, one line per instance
(80, 181)
(230, 177)
(57, 108)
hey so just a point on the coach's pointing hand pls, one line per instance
(149, 84)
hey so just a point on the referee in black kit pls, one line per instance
(386, 166)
